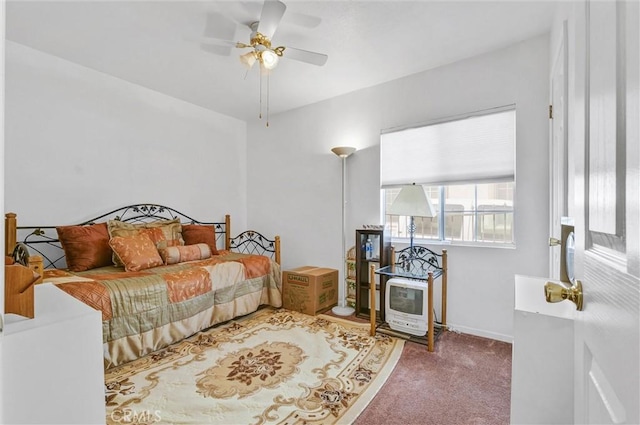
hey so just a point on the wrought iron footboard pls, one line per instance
(252, 242)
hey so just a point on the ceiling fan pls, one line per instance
(261, 49)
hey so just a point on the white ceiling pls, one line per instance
(156, 44)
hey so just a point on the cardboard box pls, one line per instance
(309, 289)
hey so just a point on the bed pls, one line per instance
(157, 275)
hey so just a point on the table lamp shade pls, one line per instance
(412, 202)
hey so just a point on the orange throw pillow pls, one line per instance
(199, 233)
(85, 247)
(137, 252)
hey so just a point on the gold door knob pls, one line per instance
(555, 292)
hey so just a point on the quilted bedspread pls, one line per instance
(135, 304)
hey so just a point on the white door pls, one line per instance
(558, 150)
(604, 169)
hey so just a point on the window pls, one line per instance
(472, 213)
(467, 169)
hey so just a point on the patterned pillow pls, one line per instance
(163, 233)
(136, 252)
(198, 233)
(85, 247)
(172, 231)
(179, 254)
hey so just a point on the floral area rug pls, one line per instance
(271, 367)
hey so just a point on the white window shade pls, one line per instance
(479, 148)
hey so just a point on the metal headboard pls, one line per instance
(43, 240)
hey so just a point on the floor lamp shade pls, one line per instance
(342, 309)
(343, 151)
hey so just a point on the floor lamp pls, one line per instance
(342, 309)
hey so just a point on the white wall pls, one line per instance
(79, 142)
(301, 200)
(2, 49)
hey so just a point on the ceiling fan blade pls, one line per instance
(220, 42)
(219, 26)
(272, 12)
(216, 50)
(304, 20)
(305, 56)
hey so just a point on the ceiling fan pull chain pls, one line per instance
(260, 78)
(268, 75)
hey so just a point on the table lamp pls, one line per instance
(412, 202)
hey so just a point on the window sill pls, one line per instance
(433, 242)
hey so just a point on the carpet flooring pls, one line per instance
(466, 380)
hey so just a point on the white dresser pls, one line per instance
(542, 366)
(52, 367)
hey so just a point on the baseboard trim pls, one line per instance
(481, 333)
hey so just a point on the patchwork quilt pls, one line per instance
(147, 310)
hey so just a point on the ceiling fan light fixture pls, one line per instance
(248, 59)
(261, 50)
(269, 59)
